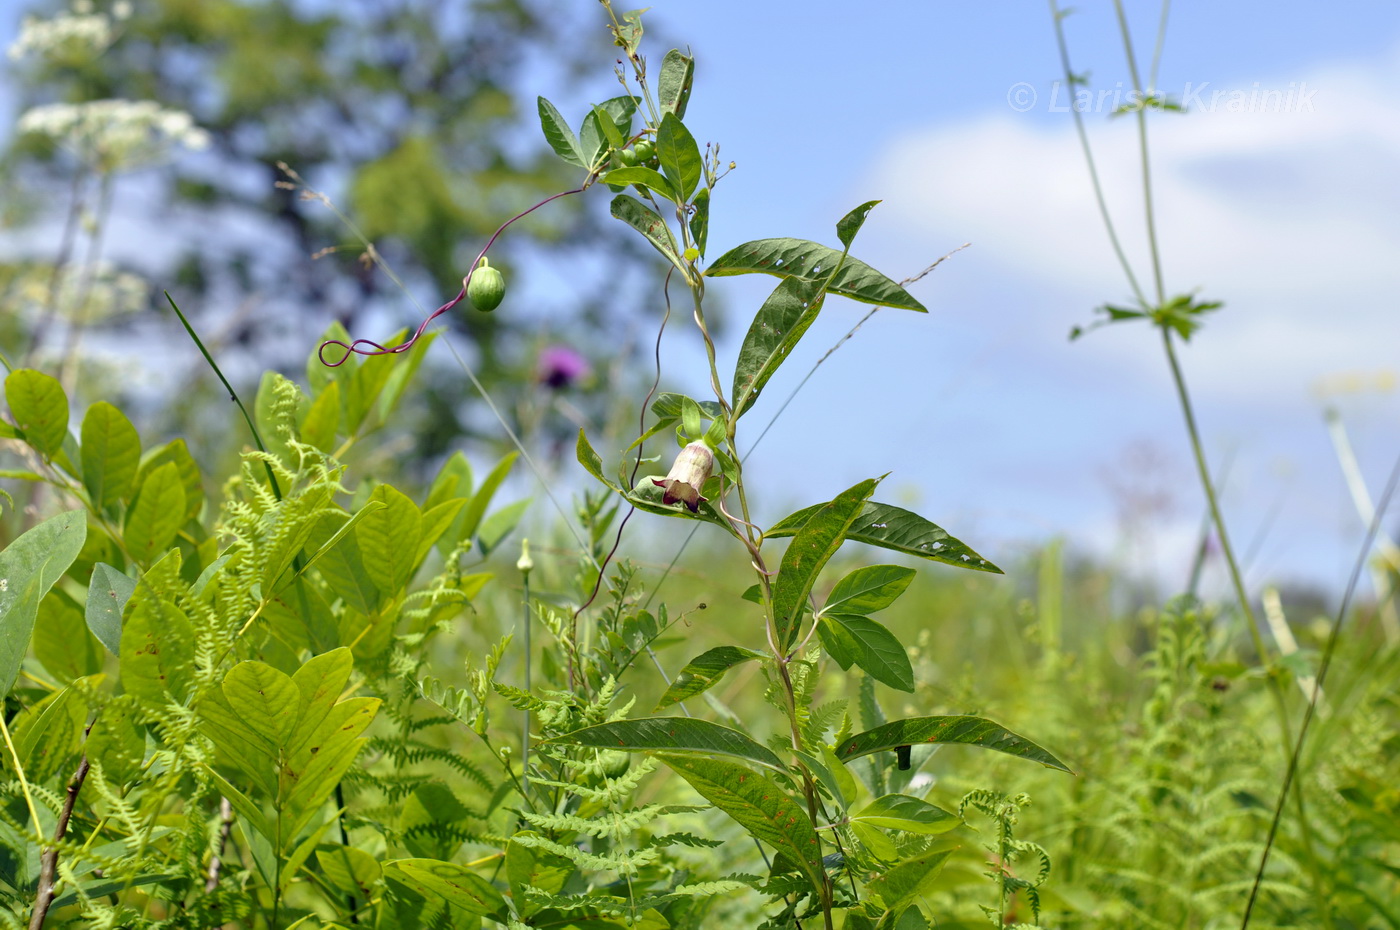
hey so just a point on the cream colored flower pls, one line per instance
(688, 474)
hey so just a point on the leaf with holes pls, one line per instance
(967, 730)
(897, 529)
(789, 257)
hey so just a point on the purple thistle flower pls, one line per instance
(561, 367)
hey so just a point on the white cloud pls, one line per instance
(1291, 217)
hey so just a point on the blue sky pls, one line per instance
(988, 419)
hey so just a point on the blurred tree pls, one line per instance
(405, 111)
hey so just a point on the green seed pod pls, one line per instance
(487, 288)
(644, 150)
(628, 157)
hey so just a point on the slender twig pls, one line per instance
(216, 861)
(1328, 651)
(48, 859)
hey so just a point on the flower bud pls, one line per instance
(688, 474)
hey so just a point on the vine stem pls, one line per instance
(48, 860)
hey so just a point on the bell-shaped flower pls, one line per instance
(688, 474)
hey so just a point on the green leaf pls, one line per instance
(643, 177)
(759, 806)
(645, 221)
(48, 734)
(529, 867)
(388, 539)
(679, 155)
(62, 641)
(667, 406)
(824, 774)
(40, 409)
(609, 128)
(111, 453)
(649, 497)
(868, 644)
(782, 320)
(157, 645)
(851, 223)
(498, 526)
(811, 548)
(266, 700)
(156, 515)
(971, 731)
(108, 592)
(293, 863)
(703, 672)
(118, 741)
(476, 508)
(700, 219)
(786, 257)
(910, 814)
(868, 589)
(178, 453)
(456, 884)
(240, 802)
(454, 480)
(350, 869)
(321, 762)
(901, 885)
(894, 528)
(590, 460)
(558, 134)
(692, 423)
(674, 85)
(367, 383)
(322, 421)
(340, 563)
(29, 566)
(673, 734)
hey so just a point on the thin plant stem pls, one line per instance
(1327, 653)
(23, 782)
(1057, 17)
(48, 860)
(1141, 115)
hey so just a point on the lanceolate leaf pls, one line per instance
(475, 510)
(758, 805)
(702, 672)
(673, 87)
(813, 545)
(645, 221)
(972, 731)
(851, 223)
(895, 528)
(673, 734)
(910, 814)
(679, 155)
(29, 567)
(785, 257)
(868, 644)
(782, 320)
(388, 539)
(868, 589)
(558, 134)
(111, 452)
(909, 880)
(700, 219)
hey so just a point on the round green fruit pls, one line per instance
(628, 157)
(487, 288)
(644, 151)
